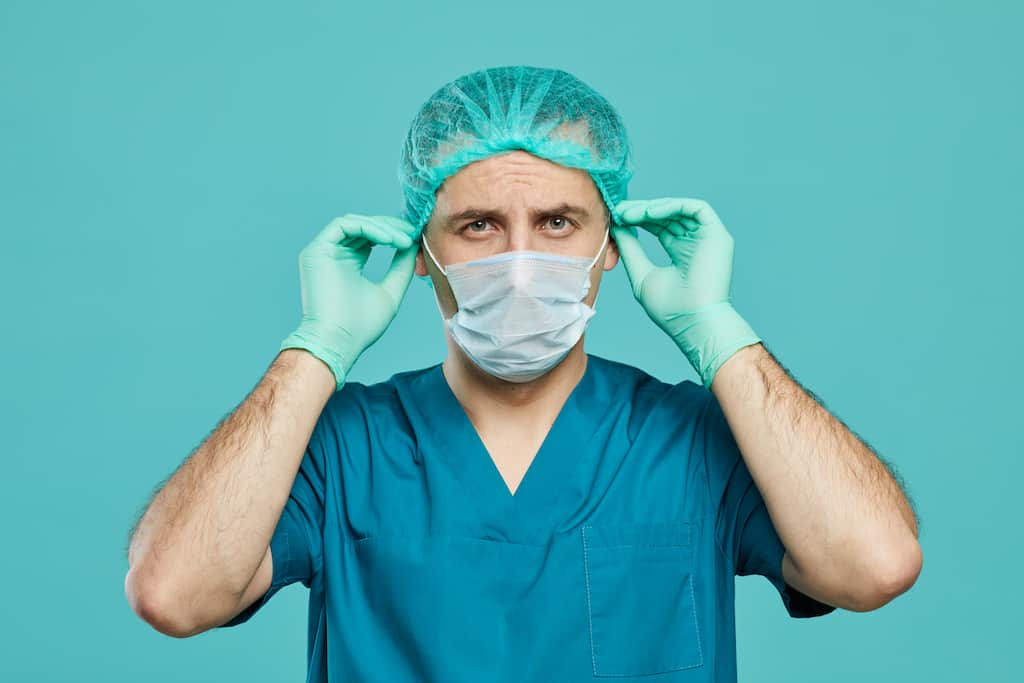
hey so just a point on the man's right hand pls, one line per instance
(343, 312)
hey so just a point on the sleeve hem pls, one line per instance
(281, 559)
(802, 606)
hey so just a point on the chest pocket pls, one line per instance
(640, 598)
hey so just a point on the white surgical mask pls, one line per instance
(520, 312)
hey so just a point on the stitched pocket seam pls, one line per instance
(590, 613)
(691, 579)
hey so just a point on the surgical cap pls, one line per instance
(547, 112)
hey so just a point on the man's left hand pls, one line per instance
(688, 299)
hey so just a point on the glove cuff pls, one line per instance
(313, 338)
(710, 335)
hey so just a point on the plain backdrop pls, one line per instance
(162, 164)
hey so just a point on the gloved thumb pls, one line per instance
(633, 256)
(399, 274)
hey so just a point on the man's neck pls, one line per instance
(491, 401)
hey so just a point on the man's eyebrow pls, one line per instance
(563, 208)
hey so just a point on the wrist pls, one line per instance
(710, 335)
(318, 341)
(310, 371)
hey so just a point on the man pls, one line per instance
(524, 510)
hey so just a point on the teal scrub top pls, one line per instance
(614, 558)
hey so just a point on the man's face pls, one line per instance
(515, 202)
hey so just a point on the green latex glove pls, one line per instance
(343, 312)
(688, 299)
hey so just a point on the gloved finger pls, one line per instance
(400, 224)
(331, 233)
(399, 274)
(373, 229)
(692, 213)
(354, 250)
(399, 238)
(633, 213)
(348, 231)
(654, 216)
(402, 230)
(657, 210)
(672, 211)
(633, 256)
(697, 211)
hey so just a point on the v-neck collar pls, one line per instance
(545, 483)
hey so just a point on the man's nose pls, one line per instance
(521, 237)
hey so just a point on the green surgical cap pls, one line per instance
(547, 112)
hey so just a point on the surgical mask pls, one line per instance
(520, 312)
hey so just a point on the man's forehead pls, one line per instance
(516, 183)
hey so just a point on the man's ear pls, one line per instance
(421, 266)
(611, 254)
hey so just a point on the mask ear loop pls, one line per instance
(437, 297)
(426, 246)
(604, 242)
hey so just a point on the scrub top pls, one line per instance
(615, 557)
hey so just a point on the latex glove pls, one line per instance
(343, 312)
(688, 299)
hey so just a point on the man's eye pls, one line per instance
(476, 226)
(562, 224)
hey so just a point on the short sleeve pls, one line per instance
(297, 541)
(744, 531)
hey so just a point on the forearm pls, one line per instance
(843, 519)
(200, 541)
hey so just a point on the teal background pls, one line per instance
(162, 165)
